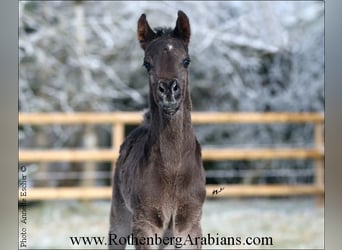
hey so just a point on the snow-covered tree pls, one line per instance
(245, 56)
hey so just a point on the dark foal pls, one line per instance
(159, 180)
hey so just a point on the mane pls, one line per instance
(162, 31)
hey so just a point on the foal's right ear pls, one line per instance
(145, 33)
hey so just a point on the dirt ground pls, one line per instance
(296, 223)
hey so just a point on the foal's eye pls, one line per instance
(147, 66)
(186, 62)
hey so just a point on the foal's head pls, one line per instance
(166, 61)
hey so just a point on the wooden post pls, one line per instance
(118, 135)
(43, 167)
(319, 163)
(89, 142)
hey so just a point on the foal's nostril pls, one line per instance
(161, 89)
(174, 87)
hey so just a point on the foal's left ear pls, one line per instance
(182, 29)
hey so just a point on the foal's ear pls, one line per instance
(182, 29)
(145, 33)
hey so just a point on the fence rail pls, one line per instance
(197, 118)
(118, 120)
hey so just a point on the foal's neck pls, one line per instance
(175, 135)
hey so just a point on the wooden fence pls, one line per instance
(118, 120)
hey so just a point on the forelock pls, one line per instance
(162, 31)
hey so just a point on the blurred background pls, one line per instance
(83, 56)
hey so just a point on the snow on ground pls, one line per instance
(292, 223)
